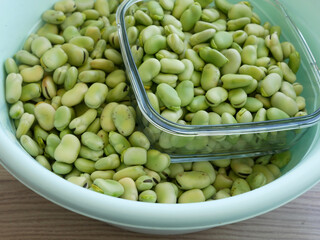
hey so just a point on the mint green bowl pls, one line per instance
(18, 19)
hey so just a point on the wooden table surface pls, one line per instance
(25, 215)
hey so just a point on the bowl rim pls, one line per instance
(170, 127)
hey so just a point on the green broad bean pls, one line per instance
(108, 163)
(273, 43)
(71, 78)
(90, 154)
(61, 168)
(180, 6)
(65, 6)
(270, 84)
(144, 183)
(30, 145)
(165, 193)
(216, 96)
(288, 74)
(256, 180)
(239, 10)
(294, 61)
(68, 149)
(185, 92)
(168, 96)
(210, 77)
(276, 114)
(148, 196)
(254, 71)
(149, 69)
(44, 162)
(237, 97)
(109, 187)
(244, 116)
(234, 62)
(96, 95)
(213, 56)
(123, 120)
(222, 182)
(83, 42)
(16, 110)
(238, 24)
(193, 56)
(190, 16)
(63, 117)
(119, 142)
(75, 95)
(134, 156)
(198, 103)
(167, 4)
(143, 18)
(200, 118)
(53, 59)
(203, 36)
(14, 87)
(249, 55)
(281, 159)
(232, 81)
(27, 58)
(175, 43)
(171, 66)
(133, 172)
(45, 115)
(81, 123)
(239, 186)
(130, 189)
(157, 161)
(256, 30)
(155, 10)
(92, 141)
(193, 179)
(205, 167)
(284, 103)
(25, 123)
(102, 64)
(106, 121)
(52, 142)
(221, 40)
(191, 196)
(139, 139)
(113, 55)
(85, 165)
(118, 93)
(253, 104)
(40, 45)
(265, 171)
(48, 87)
(108, 174)
(11, 66)
(154, 44)
(170, 79)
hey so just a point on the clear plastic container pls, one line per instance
(208, 142)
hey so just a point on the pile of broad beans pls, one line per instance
(204, 65)
(68, 97)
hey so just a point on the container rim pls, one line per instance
(204, 130)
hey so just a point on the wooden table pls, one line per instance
(25, 215)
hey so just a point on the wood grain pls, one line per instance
(25, 215)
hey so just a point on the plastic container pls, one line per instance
(20, 18)
(190, 142)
